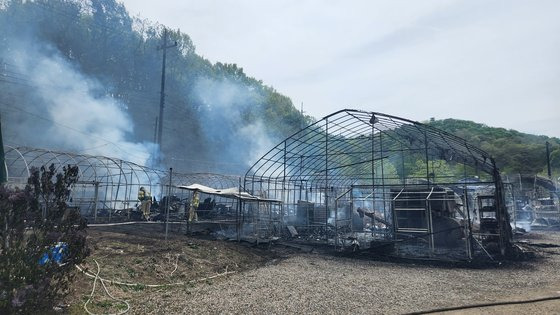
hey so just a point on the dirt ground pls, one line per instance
(283, 280)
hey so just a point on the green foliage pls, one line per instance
(32, 221)
(389, 172)
(104, 42)
(555, 159)
(514, 152)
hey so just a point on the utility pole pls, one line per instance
(163, 47)
(548, 159)
(156, 129)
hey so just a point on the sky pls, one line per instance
(493, 62)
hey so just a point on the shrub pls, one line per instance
(32, 221)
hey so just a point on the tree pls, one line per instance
(118, 52)
(33, 222)
(514, 152)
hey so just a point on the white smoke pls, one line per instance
(81, 117)
(259, 143)
(231, 109)
(524, 225)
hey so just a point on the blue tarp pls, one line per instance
(56, 253)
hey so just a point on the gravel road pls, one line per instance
(323, 284)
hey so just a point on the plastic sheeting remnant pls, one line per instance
(232, 192)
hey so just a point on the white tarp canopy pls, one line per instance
(232, 192)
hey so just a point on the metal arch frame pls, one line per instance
(45, 153)
(22, 157)
(86, 158)
(121, 174)
(103, 170)
(344, 149)
(148, 177)
(102, 161)
(272, 164)
(70, 157)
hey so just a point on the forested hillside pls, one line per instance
(514, 152)
(84, 76)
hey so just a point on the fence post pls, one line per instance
(96, 200)
(167, 203)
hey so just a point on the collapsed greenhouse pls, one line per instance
(353, 180)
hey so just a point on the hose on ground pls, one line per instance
(90, 298)
(481, 305)
(225, 273)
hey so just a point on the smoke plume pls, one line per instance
(234, 122)
(56, 107)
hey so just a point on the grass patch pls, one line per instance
(104, 304)
(134, 288)
(131, 273)
(121, 307)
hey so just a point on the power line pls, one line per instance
(130, 99)
(137, 97)
(96, 147)
(143, 101)
(72, 128)
(75, 16)
(25, 77)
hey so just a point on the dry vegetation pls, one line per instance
(279, 280)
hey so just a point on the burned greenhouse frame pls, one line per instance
(107, 188)
(366, 180)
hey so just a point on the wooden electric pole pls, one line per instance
(548, 160)
(163, 47)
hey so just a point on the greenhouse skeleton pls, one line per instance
(354, 180)
(451, 207)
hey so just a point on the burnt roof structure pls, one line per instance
(354, 156)
(352, 180)
(106, 184)
(343, 148)
(103, 169)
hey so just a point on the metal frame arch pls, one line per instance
(22, 158)
(271, 164)
(89, 165)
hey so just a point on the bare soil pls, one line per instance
(280, 280)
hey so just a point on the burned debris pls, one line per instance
(535, 202)
(353, 181)
(362, 180)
